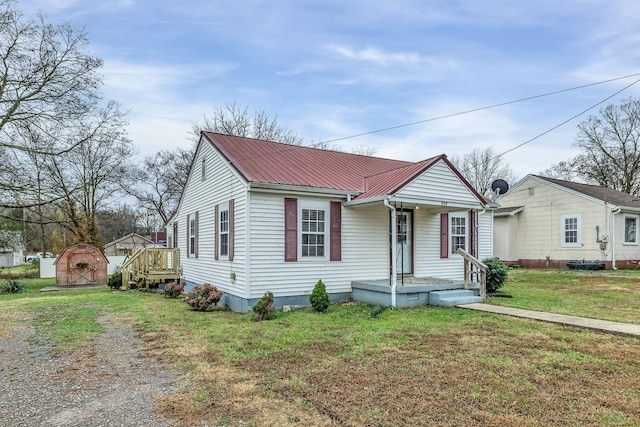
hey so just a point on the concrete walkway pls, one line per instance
(563, 319)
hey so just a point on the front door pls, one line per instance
(404, 244)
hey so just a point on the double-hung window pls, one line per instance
(571, 230)
(313, 232)
(224, 232)
(630, 229)
(458, 232)
(192, 235)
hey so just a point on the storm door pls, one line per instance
(404, 244)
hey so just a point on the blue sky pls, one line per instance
(334, 68)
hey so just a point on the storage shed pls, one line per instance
(81, 265)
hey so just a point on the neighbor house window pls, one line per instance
(571, 229)
(631, 230)
(204, 168)
(458, 232)
(224, 232)
(313, 232)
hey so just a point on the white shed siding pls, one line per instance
(365, 253)
(220, 186)
(438, 183)
(539, 231)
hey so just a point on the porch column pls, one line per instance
(394, 255)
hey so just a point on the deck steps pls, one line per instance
(451, 298)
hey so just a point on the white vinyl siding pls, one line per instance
(365, 249)
(441, 186)
(222, 184)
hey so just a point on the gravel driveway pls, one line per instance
(108, 383)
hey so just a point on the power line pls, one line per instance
(569, 119)
(474, 110)
(466, 170)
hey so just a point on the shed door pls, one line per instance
(81, 270)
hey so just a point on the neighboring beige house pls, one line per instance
(126, 244)
(545, 222)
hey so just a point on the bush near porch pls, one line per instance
(421, 366)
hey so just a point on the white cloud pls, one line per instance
(375, 55)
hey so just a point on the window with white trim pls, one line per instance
(224, 231)
(313, 235)
(571, 229)
(192, 235)
(457, 232)
(630, 229)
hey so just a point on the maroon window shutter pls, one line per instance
(216, 222)
(195, 252)
(187, 234)
(472, 233)
(335, 252)
(444, 235)
(290, 229)
(231, 239)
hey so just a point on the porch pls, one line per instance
(415, 292)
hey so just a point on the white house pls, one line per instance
(258, 216)
(545, 222)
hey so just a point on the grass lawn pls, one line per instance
(422, 366)
(607, 295)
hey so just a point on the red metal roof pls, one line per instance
(276, 163)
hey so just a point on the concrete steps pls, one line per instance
(451, 298)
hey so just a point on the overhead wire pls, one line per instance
(476, 110)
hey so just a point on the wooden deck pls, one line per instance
(148, 266)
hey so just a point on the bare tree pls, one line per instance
(564, 170)
(90, 175)
(610, 144)
(45, 73)
(482, 166)
(160, 180)
(232, 120)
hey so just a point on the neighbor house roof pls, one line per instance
(508, 211)
(604, 194)
(277, 163)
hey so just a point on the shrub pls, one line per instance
(173, 289)
(264, 308)
(11, 287)
(319, 298)
(203, 298)
(115, 280)
(496, 274)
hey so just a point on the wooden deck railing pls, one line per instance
(474, 267)
(151, 265)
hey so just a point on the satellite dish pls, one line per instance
(499, 186)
